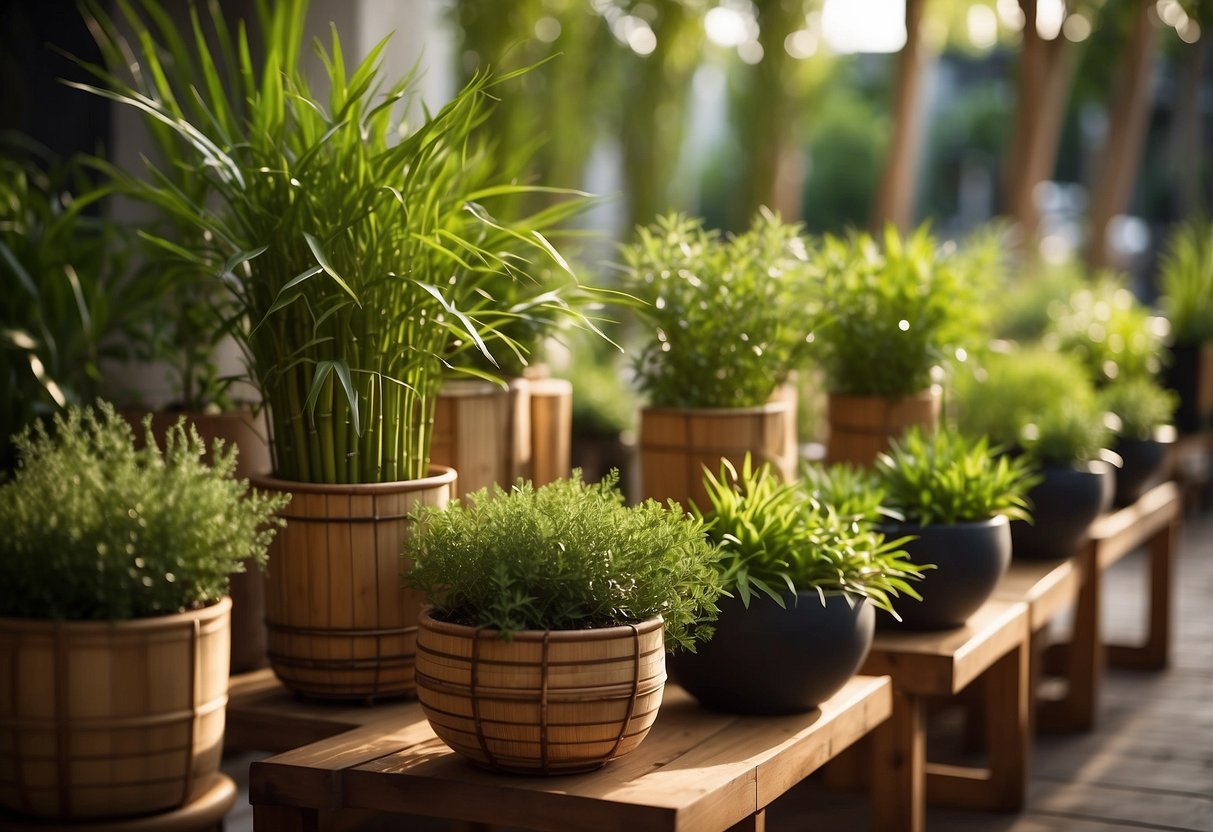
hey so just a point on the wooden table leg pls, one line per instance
(1154, 652)
(285, 819)
(899, 768)
(1084, 655)
(756, 822)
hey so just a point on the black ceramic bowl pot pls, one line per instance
(1142, 467)
(1064, 505)
(772, 660)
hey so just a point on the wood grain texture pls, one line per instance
(483, 431)
(551, 429)
(860, 427)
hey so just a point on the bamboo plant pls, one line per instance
(355, 247)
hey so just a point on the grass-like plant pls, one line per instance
(948, 478)
(728, 317)
(776, 539)
(893, 312)
(1185, 280)
(1140, 405)
(1113, 333)
(851, 491)
(565, 556)
(357, 250)
(91, 528)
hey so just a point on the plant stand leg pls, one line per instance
(1154, 652)
(899, 768)
(756, 822)
(1084, 655)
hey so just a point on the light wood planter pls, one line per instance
(483, 432)
(676, 445)
(545, 702)
(341, 625)
(551, 429)
(103, 719)
(862, 426)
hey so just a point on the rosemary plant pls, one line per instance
(356, 250)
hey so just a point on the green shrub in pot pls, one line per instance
(1144, 432)
(805, 582)
(1185, 282)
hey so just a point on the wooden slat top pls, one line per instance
(1119, 532)
(944, 662)
(697, 770)
(1046, 586)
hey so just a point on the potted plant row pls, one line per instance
(114, 637)
(355, 261)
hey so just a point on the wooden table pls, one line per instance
(697, 771)
(994, 647)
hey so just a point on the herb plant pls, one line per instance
(1140, 405)
(776, 538)
(1113, 334)
(91, 528)
(356, 251)
(1186, 281)
(854, 493)
(565, 556)
(948, 478)
(893, 312)
(729, 318)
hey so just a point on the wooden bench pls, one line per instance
(697, 771)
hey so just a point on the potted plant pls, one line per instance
(114, 566)
(553, 609)
(728, 319)
(955, 497)
(803, 582)
(1042, 403)
(355, 257)
(1144, 434)
(1185, 282)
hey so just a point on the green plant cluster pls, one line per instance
(1141, 406)
(894, 312)
(1112, 332)
(948, 478)
(92, 528)
(357, 248)
(1035, 400)
(777, 538)
(1185, 281)
(853, 492)
(567, 555)
(729, 317)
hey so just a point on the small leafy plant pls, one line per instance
(729, 318)
(91, 528)
(949, 478)
(854, 493)
(565, 556)
(1140, 405)
(776, 538)
(1112, 332)
(1186, 282)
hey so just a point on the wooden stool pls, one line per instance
(204, 813)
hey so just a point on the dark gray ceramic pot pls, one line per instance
(1064, 505)
(970, 558)
(770, 660)
(1143, 464)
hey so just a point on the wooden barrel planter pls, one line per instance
(676, 445)
(340, 623)
(102, 719)
(551, 429)
(483, 432)
(862, 426)
(545, 702)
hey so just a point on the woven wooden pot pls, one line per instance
(340, 624)
(483, 432)
(676, 445)
(551, 429)
(862, 426)
(102, 719)
(545, 702)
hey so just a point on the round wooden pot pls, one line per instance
(104, 719)
(862, 426)
(544, 702)
(1064, 505)
(676, 445)
(340, 623)
(551, 429)
(1143, 465)
(969, 559)
(484, 432)
(773, 660)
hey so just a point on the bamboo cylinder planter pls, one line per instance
(483, 432)
(676, 445)
(102, 719)
(862, 426)
(551, 429)
(545, 702)
(340, 623)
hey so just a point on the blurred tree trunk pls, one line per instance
(1046, 73)
(1189, 167)
(1128, 118)
(895, 194)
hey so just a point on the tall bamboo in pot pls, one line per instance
(354, 252)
